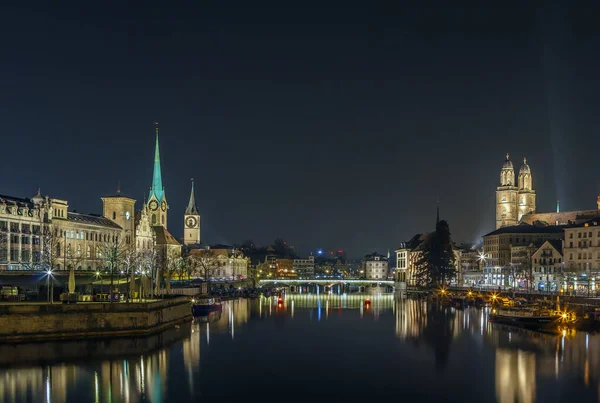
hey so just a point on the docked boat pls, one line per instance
(529, 317)
(204, 306)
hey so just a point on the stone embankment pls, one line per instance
(39, 321)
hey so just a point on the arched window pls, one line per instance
(153, 218)
(114, 215)
(88, 253)
(78, 250)
(58, 249)
(163, 219)
(69, 250)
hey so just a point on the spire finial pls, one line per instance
(191, 208)
(437, 219)
(157, 188)
(558, 206)
(507, 156)
(118, 186)
(524, 160)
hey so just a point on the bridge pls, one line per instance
(326, 281)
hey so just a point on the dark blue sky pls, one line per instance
(328, 126)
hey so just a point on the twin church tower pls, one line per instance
(157, 205)
(514, 201)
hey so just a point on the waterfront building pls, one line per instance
(498, 252)
(28, 227)
(304, 268)
(39, 233)
(469, 265)
(410, 253)
(220, 261)
(285, 267)
(407, 255)
(582, 255)
(375, 266)
(547, 266)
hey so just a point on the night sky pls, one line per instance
(332, 127)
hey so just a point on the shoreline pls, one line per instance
(44, 322)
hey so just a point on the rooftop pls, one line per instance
(528, 229)
(92, 219)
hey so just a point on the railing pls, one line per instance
(191, 291)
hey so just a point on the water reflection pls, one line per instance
(521, 365)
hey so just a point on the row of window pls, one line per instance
(583, 234)
(584, 244)
(15, 227)
(548, 261)
(584, 255)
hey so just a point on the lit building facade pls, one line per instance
(375, 266)
(514, 200)
(40, 233)
(501, 245)
(582, 255)
(29, 227)
(547, 266)
(304, 268)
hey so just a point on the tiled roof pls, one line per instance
(164, 237)
(528, 229)
(91, 219)
(594, 222)
(373, 255)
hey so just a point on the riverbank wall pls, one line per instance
(33, 353)
(37, 321)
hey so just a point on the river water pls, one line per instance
(317, 348)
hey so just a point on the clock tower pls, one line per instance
(157, 201)
(191, 221)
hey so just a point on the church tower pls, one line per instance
(506, 196)
(157, 201)
(526, 194)
(191, 221)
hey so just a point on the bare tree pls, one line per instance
(190, 267)
(48, 255)
(113, 253)
(130, 262)
(150, 266)
(173, 263)
(205, 263)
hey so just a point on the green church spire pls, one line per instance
(157, 187)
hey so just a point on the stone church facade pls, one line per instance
(514, 199)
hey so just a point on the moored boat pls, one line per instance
(203, 306)
(530, 317)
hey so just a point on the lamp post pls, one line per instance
(49, 274)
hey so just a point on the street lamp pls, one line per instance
(49, 274)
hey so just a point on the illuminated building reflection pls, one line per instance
(515, 376)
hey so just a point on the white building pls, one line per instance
(375, 266)
(305, 268)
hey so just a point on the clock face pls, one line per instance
(127, 215)
(163, 206)
(153, 205)
(190, 222)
